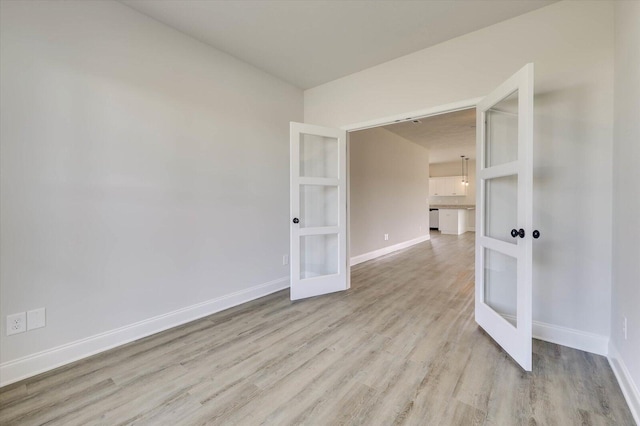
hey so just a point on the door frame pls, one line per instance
(383, 121)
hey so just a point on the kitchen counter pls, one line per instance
(453, 219)
(452, 206)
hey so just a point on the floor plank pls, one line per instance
(400, 347)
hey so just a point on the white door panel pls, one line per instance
(318, 211)
(504, 215)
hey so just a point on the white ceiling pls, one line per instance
(447, 136)
(311, 42)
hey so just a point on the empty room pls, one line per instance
(222, 212)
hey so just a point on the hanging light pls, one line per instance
(466, 160)
(462, 168)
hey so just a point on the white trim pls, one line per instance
(577, 339)
(471, 229)
(628, 386)
(30, 365)
(421, 113)
(382, 121)
(347, 234)
(569, 337)
(386, 250)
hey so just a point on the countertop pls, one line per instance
(452, 206)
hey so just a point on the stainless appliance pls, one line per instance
(434, 218)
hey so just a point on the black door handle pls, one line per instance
(296, 220)
(517, 233)
(536, 234)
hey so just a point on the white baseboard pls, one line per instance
(471, 229)
(577, 339)
(28, 366)
(443, 232)
(572, 338)
(386, 250)
(628, 386)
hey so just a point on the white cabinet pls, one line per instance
(448, 186)
(442, 186)
(453, 221)
(456, 186)
(433, 187)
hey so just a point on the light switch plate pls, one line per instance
(36, 319)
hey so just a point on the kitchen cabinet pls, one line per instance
(448, 186)
(453, 221)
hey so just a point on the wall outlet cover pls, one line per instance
(36, 319)
(16, 323)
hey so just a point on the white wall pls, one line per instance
(454, 169)
(571, 44)
(626, 202)
(142, 171)
(389, 187)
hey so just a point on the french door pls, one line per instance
(503, 303)
(318, 211)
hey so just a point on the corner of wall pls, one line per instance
(627, 385)
(624, 348)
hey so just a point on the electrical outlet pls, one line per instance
(16, 323)
(285, 259)
(36, 319)
(386, 237)
(624, 327)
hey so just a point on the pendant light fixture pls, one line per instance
(466, 161)
(462, 168)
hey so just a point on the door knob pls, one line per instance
(517, 233)
(536, 234)
(296, 220)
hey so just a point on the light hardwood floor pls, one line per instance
(400, 347)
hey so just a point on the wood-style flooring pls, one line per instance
(400, 348)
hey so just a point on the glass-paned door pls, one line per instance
(503, 305)
(318, 211)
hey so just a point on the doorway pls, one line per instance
(505, 145)
(403, 175)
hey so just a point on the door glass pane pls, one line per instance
(318, 156)
(318, 205)
(500, 284)
(502, 132)
(318, 255)
(501, 207)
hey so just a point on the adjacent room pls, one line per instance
(220, 212)
(405, 176)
